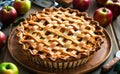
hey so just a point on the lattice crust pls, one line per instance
(60, 34)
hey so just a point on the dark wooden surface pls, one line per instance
(113, 30)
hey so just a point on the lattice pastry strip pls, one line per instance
(59, 33)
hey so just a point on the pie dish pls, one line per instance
(59, 38)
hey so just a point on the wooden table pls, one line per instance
(113, 30)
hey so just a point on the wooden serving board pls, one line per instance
(99, 57)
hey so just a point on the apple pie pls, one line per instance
(59, 38)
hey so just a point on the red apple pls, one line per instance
(114, 6)
(101, 2)
(81, 5)
(2, 39)
(8, 14)
(103, 16)
(22, 6)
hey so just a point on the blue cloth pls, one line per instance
(5, 3)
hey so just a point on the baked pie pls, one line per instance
(59, 38)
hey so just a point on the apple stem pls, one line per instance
(8, 67)
(8, 8)
(104, 10)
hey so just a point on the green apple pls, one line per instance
(8, 68)
(22, 6)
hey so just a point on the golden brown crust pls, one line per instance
(60, 34)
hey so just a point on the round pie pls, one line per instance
(59, 38)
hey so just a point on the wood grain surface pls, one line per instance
(5, 55)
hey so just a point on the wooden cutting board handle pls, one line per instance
(110, 64)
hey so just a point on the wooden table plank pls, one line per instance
(116, 25)
(90, 11)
